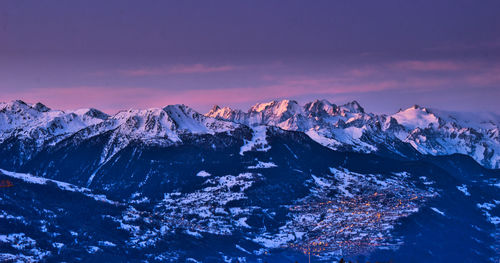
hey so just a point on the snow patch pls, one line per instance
(61, 185)
(438, 211)
(263, 165)
(193, 233)
(203, 174)
(93, 249)
(258, 141)
(321, 182)
(463, 189)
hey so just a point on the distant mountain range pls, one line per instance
(405, 134)
(275, 183)
(348, 127)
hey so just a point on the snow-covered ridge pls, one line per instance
(38, 122)
(28, 178)
(167, 122)
(437, 132)
(160, 126)
(349, 127)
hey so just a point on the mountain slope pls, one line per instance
(27, 129)
(41, 124)
(204, 200)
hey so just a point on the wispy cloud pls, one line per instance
(177, 69)
(109, 99)
(398, 78)
(432, 65)
(112, 99)
(490, 77)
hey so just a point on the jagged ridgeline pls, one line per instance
(276, 183)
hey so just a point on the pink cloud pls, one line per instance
(111, 99)
(178, 69)
(485, 78)
(286, 88)
(434, 65)
(362, 72)
(350, 81)
(105, 98)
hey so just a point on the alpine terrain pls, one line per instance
(281, 182)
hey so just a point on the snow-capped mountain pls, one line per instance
(437, 132)
(31, 127)
(25, 129)
(162, 126)
(168, 123)
(38, 122)
(349, 127)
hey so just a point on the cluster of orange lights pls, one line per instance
(6, 183)
(341, 235)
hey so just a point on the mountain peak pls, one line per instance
(224, 113)
(319, 107)
(287, 105)
(278, 107)
(91, 112)
(40, 107)
(353, 107)
(416, 117)
(15, 104)
(19, 102)
(258, 107)
(181, 107)
(214, 109)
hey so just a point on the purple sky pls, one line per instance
(136, 54)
